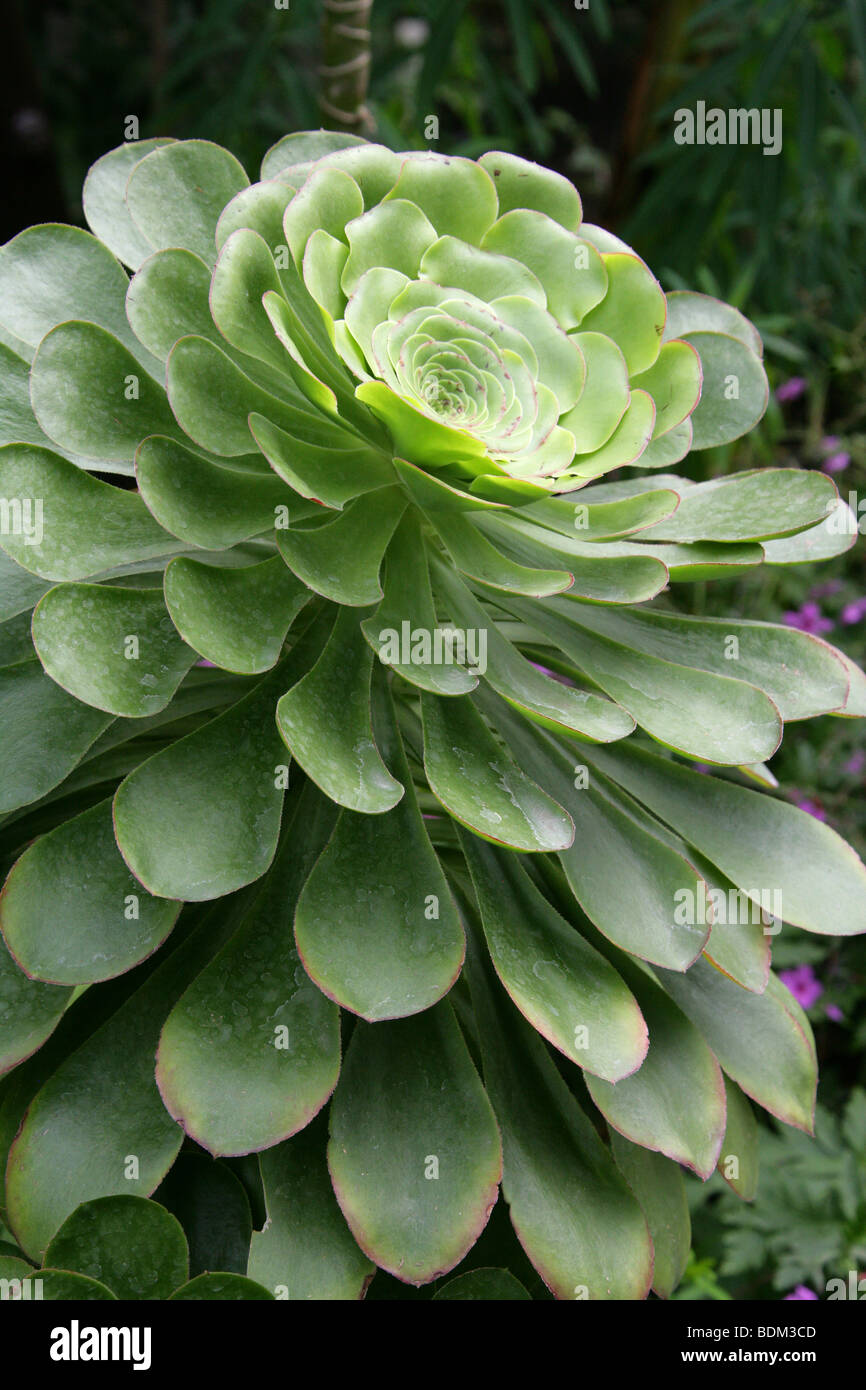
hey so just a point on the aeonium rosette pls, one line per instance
(498, 338)
(337, 400)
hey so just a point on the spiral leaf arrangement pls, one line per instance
(348, 791)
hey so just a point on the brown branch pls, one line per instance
(663, 46)
(344, 72)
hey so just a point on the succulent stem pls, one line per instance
(344, 71)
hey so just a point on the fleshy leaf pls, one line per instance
(521, 184)
(406, 620)
(245, 272)
(457, 195)
(135, 1247)
(748, 506)
(418, 436)
(517, 680)
(572, 273)
(341, 558)
(612, 847)
(476, 780)
(700, 313)
(601, 521)
(625, 446)
(330, 475)
(474, 555)
(760, 843)
(29, 1011)
(306, 1250)
(176, 194)
(100, 1107)
(675, 1103)
(632, 576)
(212, 399)
(205, 504)
(302, 146)
(70, 910)
(658, 1185)
(105, 206)
(15, 641)
(51, 274)
(46, 733)
(252, 1025)
(201, 818)
(735, 390)
(90, 395)
(835, 535)
(414, 1152)
(209, 1288)
(605, 396)
(674, 382)
(800, 673)
(375, 925)
(572, 1212)
(714, 717)
(236, 618)
(68, 545)
(739, 1157)
(341, 757)
(564, 987)
(393, 234)
(259, 207)
(113, 648)
(485, 1285)
(18, 424)
(61, 1286)
(633, 311)
(167, 299)
(326, 202)
(763, 1041)
(212, 1206)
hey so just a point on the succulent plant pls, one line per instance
(355, 753)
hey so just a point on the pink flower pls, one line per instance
(800, 1292)
(808, 618)
(855, 763)
(834, 1013)
(811, 808)
(854, 612)
(802, 984)
(791, 389)
(836, 462)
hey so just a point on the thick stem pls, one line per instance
(344, 71)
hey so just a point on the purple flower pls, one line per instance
(554, 675)
(791, 389)
(830, 442)
(855, 763)
(811, 808)
(836, 462)
(834, 1013)
(854, 612)
(809, 618)
(802, 984)
(800, 1292)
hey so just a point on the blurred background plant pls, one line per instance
(590, 87)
